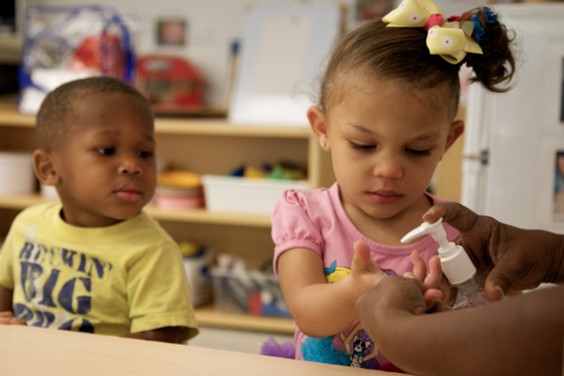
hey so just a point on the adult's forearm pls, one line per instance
(557, 274)
(521, 335)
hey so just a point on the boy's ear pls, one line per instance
(43, 167)
(318, 125)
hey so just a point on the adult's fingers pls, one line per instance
(455, 214)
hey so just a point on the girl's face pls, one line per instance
(106, 168)
(385, 142)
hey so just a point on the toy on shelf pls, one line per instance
(237, 288)
(251, 190)
(170, 82)
(280, 171)
(179, 189)
(197, 264)
(64, 43)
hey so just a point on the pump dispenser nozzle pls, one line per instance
(456, 264)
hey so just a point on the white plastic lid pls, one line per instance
(455, 263)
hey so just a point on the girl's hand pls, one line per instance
(8, 318)
(365, 273)
(435, 287)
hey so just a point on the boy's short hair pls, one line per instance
(51, 118)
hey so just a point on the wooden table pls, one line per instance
(33, 351)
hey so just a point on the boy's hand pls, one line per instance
(8, 318)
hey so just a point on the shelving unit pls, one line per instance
(209, 146)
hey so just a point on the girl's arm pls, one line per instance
(320, 308)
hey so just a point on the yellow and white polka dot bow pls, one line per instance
(452, 40)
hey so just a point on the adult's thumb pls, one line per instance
(500, 281)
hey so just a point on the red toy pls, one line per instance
(169, 82)
(103, 53)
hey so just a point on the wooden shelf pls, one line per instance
(10, 117)
(194, 215)
(209, 316)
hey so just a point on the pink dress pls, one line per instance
(316, 220)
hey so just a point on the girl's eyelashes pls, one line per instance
(367, 148)
(362, 147)
(371, 147)
(418, 153)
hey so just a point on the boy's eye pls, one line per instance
(106, 151)
(146, 154)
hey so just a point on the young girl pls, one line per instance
(386, 113)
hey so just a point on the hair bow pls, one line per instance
(452, 40)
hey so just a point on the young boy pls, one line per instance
(95, 262)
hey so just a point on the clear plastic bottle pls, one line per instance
(456, 265)
(468, 294)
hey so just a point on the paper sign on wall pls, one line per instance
(284, 49)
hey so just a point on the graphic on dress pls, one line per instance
(353, 347)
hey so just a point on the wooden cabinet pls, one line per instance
(207, 146)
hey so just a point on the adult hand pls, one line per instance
(393, 296)
(512, 258)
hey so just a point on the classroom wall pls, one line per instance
(212, 25)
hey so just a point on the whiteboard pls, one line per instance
(284, 50)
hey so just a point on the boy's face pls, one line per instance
(385, 143)
(105, 164)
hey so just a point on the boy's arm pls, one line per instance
(170, 334)
(5, 299)
(6, 314)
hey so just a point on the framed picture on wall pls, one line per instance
(554, 100)
(558, 195)
(171, 32)
(552, 193)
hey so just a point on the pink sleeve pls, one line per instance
(292, 226)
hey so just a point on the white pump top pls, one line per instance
(455, 263)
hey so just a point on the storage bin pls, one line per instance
(197, 271)
(16, 173)
(247, 196)
(252, 292)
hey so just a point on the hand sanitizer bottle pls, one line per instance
(456, 265)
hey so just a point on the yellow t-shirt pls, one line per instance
(114, 280)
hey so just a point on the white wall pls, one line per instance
(211, 28)
(212, 25)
